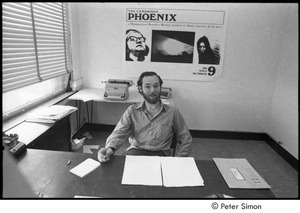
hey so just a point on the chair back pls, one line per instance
(173, 145)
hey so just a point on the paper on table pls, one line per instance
(56, 110)
(142, 170)
(83, 196)
(50, 114)
(179, 172)
(85, 167)
(158, 171)
(238, 173)
(84, 96)
(41, 120)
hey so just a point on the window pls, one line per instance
(35, 42)
(36, 47)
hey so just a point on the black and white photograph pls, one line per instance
(150, 107)
(172, 46)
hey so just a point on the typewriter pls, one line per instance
(165, 92)
(117, 89)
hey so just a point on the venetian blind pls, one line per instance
(35, 43)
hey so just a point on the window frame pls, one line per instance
(22, 68)
(56, 84)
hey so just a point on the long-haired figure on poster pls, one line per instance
(207, 55)
(136, 48)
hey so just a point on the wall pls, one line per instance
(241, 100)
(282, 120)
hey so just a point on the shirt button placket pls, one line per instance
(150, 131)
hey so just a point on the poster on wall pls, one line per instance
(178, 44)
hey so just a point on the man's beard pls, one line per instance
(152, 100)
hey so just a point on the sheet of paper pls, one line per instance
(82, 196)
(56, 110)
(85, 167)
(158, 171)
(180, 172)
(88, 97)
(238, 173)
(50, 114)
(85, 96)
(142, 170)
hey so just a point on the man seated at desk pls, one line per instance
(149, 126)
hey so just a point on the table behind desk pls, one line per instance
(48, 173)
(96, 95)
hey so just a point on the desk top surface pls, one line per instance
(48, 173)
(96, 94)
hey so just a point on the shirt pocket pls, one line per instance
(162, 132)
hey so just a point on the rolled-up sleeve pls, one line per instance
(183, 135)
(121, 131)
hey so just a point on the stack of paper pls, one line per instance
(85, 168)
(179, 172)
(142, 170)
(161, 171)
(50, 114)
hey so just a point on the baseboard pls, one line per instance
(100, 127)
(218, 135)
(227, 135)
(282, 152)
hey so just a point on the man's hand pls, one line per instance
(104, 154)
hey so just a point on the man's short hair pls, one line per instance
(144, 74)
(128, 32)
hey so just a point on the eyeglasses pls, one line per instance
(136, 39)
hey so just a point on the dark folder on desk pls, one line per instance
(238, 173)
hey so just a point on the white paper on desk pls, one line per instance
(85, 168)
(180, 172)
(51, 114)
(85, 96)
(56, 110)
(142, 170)
(238, 173)
(83, 196)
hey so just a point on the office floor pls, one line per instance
(282, 177)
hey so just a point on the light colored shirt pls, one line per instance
(144, 132)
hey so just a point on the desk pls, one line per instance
(48, 173)
(96, 94)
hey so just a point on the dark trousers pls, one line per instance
(144, 152)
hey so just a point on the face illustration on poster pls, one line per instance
(136, 48)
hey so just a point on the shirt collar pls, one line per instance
(142, 104)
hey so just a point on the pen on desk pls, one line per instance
(69, 162)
